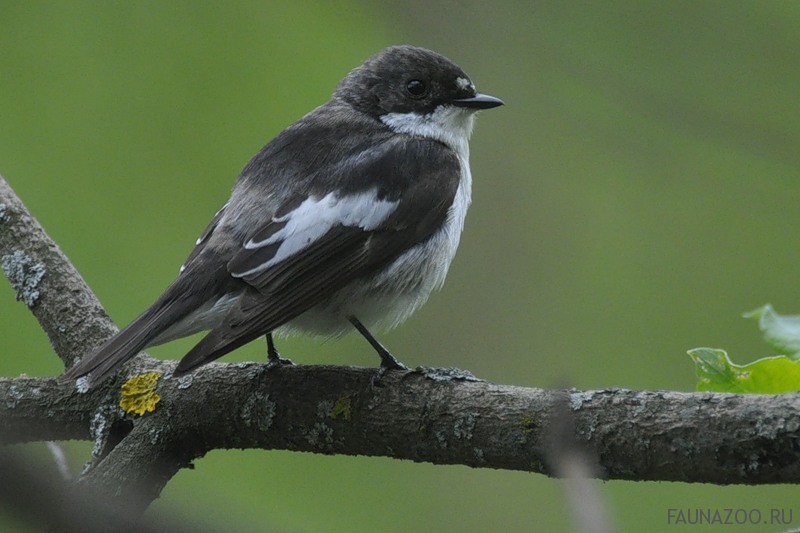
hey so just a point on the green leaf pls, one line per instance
(770, 375)
(782, 332)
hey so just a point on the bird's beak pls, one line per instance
(479, 101)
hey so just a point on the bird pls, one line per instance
(348, 219)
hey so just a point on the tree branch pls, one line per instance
(46, 281)
(436, 416)
(439, 416)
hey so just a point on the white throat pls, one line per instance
(448, 124)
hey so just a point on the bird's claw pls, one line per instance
(388, 364)
(278, 362)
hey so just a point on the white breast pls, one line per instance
(392, 295)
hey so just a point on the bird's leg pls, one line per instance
(273, 357)
(388, 361)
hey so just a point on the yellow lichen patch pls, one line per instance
(139, 394)
(341, 408)
(527, 424)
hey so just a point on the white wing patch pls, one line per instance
(315, 217)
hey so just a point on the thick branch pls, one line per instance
(46, 281)
(41, 409)
(424, 415)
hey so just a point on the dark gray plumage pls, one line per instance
(350, 216)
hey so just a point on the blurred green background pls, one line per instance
(637, 193)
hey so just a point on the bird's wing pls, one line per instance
(314, 245)
(202, 240)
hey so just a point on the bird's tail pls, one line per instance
(139, 334)
(211, 347)
(251, 317)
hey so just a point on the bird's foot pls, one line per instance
(274, 359)
(388, 363)
(278, 363)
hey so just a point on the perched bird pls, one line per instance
(350, 217)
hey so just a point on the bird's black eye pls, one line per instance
(416, 88)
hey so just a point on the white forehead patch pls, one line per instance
(464, 83)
